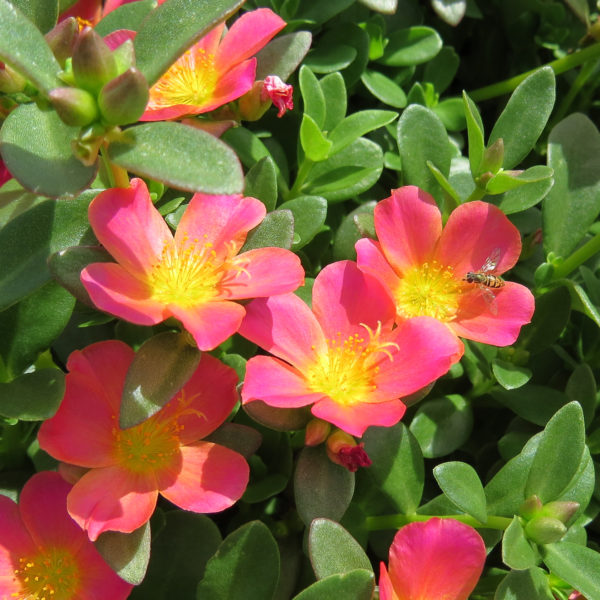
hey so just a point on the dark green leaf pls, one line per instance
(384, 89)
(531, 584)
(534, 403)
(279, 419)
(275, 231)
(261, 182)
(348, 233)
(355, 585)
(309, 217)
(33, 396)
(451, 113)
(161, 367)
(581, 387)
(525, 197)
(509, 375)
(327, 59)
(36, 147)
(357, 125)
(334, 91)
(245, 567)
(42, 13)
(321, 12)
(127, 16)
(411, 46)
(440, 71)
(282, 55)
(241, 438)
(180, 156)
(517, 552)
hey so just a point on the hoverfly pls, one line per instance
(486, 280)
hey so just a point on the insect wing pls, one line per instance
(491, 261)
(490, 299)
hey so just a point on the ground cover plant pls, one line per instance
(299, 299)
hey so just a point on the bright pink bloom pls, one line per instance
(280, 93)
(5, 174)
(343, 357)
(215, 71)
(45, 554)
(92, 10)
(439, 559)
(424, 266)
(194, 276)
(165, 454)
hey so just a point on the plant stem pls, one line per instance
(303, 171)
(581, 255)
(558, 66)
(397, 521)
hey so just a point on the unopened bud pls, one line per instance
(93, 62)
(343, 450)
(279, 92)
(11, 82)
(124, 99)
(530, 507)
(545, 530)
(87, 145)
(251, 105)
(75, 107)
(493, 156)
(62, 39)
(561, 510)
(316, 432)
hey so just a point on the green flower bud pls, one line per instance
(124, 99)
(493, 157)
(543, 274)
(93, 62)
(62, 39)
(11, 82)
(561, 510)
(530, 507)
(545, 530)
(75, 107)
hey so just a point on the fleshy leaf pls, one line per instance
(354, 585)
(32, 396)
(282, 55)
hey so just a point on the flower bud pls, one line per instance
(75, 107)
(563, 510)
(93, 62)
(493, 156)
(62, 39)
(251, 105)
(530, 507)
(11, 81)
(124, 99)
(316, 432)
(545, 530)
(87, 145)
(279, 92)
(343, 450)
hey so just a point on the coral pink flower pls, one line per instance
(5, 174)
(194, 276)
(45, 554)
(433, 560)
(280, 93)
(424, 267)
(92, 10)
(343, 357)
(165, 453)
(215, 71)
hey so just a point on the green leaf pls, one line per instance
(161, 367)
(261, 182)
(444, 184)
(355, 585)
(581, 387)
(23, 47)
(461, 484)
(42, 13)
(332, 550)
(27, 241)
(475, 134)
(127, 554)
(398, 470)
(312, 96)
(179, 554)
(442, 425)
(314, 143)
(422, 137)
(384, 88)
(273, 417)
(531, 584)
(309, 217)
(581, 9)
(321, 488)
(411, 46)
(357, 125)
(559, 454)
(524, 197)
(573, 203)
(534, 403)
(173, 27)
(451, 113)
(245, 567)
(517, 552)
(282, 55)
(33, 396)
(320, 13)
(180, 156)
(509, 375)
(505, 181)
(525, 116)
(348, 232)
(440, 71)
(36, 147)
(275, 231)
(127, 16)
(334, 91)
(577, 565)
(327, 59)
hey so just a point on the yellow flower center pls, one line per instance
(429, 290)
(191, 80)
(50, 575)
(347, 371)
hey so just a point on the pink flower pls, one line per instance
(424, 267)
(5, 174)
(280, 93)
(433, 560)
(129, 467)
(343, 357)
(215, 71)
(92, 10)
(43, 552)
(194, 276)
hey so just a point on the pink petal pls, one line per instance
(370, 259)
(113, 290)
(129, 227)
(220, 223)
(212, 478)
(354, 419)
(15, 540)
(110, 5)
(345, 299)
(209, 44)
(408, 225)
(90, 10)
(263, 272)
(276, 383)
(475, 231)
(81, 431)
(231, 85)
(386, 591)
(439, 558)
(498, 321)
(112, 499)
(247, 36)
(120, 36)
(169, 113)
(284, 326)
